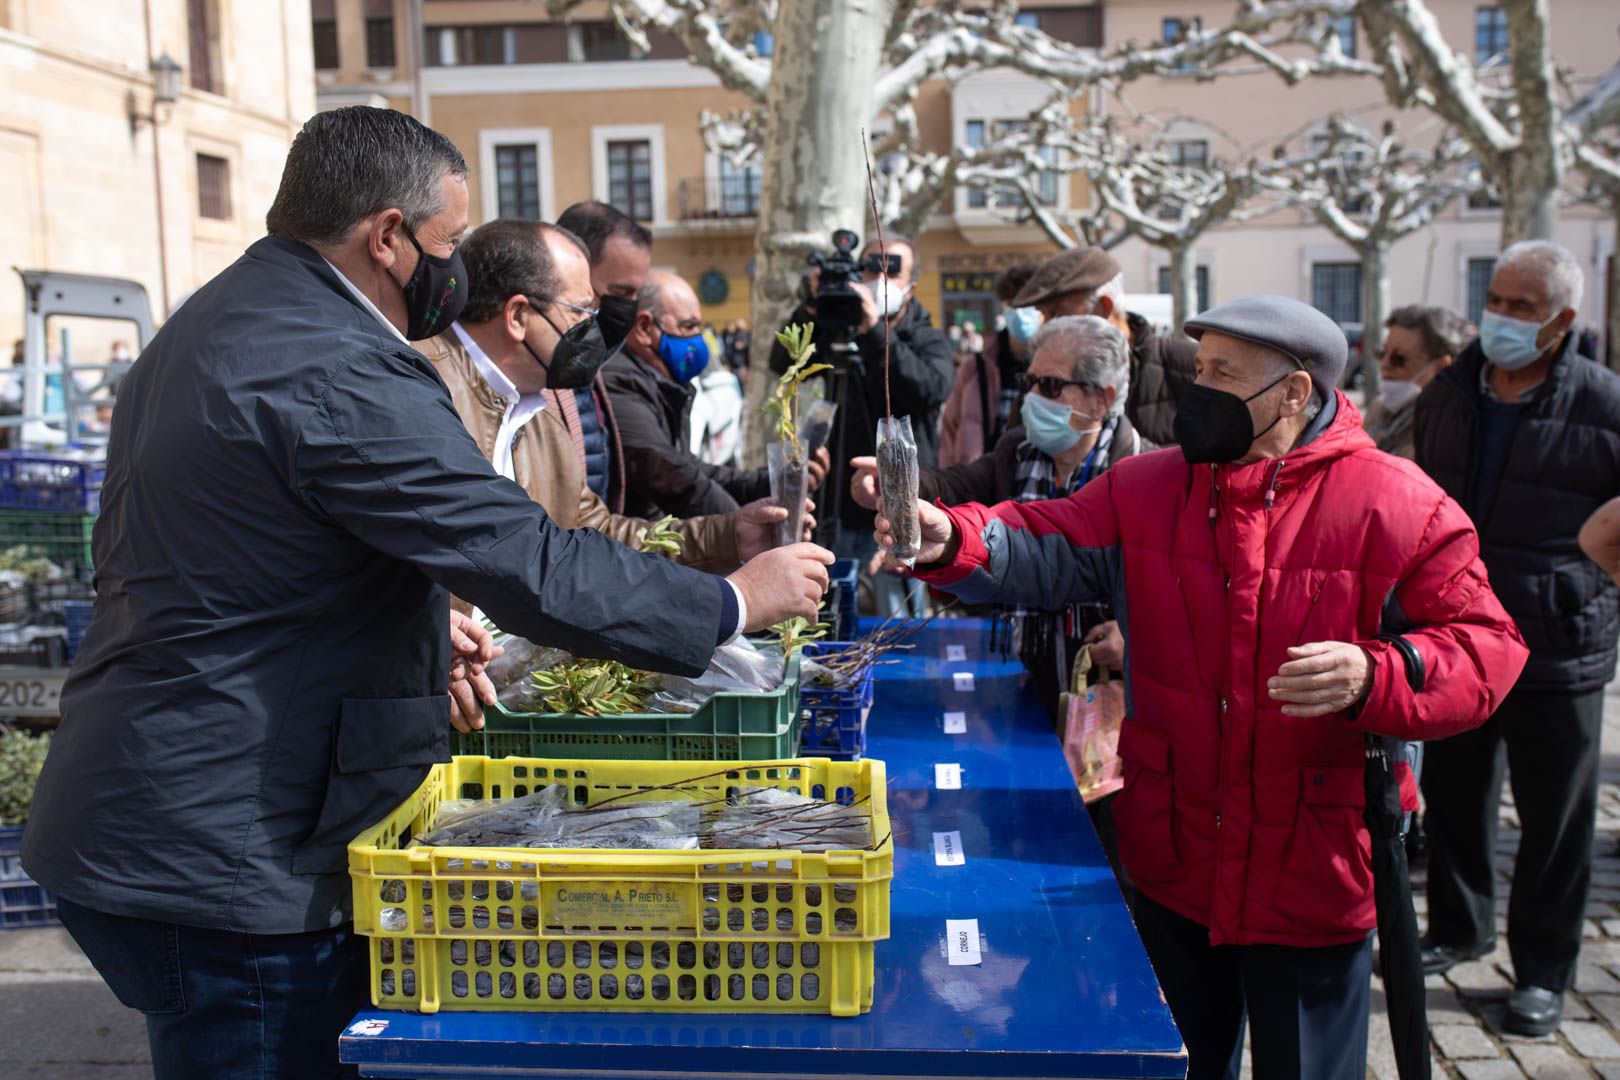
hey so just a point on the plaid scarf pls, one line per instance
(1040, 638)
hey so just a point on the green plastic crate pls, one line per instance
(729, 727)
(62, 538)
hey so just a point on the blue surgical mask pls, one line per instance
(1022, 323)
(686, 357)
(1509, 343)
(1047, 427)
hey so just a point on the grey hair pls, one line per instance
(1554, 265)
(348, 164)
(1096, 348)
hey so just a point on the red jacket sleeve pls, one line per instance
(1472, 652)
(1040, 554)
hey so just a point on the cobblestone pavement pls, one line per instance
(1466, 1004)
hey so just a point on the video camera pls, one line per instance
(838, 305)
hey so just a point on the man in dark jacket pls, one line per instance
(1088, 281)
(1525, 434)
(650, 382)
(922, 366)
(1285, 588)
(620, 250)
(290, 495)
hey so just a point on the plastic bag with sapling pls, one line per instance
(789, 467)
(739, 666)
(897, 486)
(770, 818)
(788, 458)
(548, 819)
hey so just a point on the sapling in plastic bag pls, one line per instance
(789, 467)
(897, 485)
(788, 458)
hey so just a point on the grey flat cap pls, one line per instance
(1294, 329)
(1066, 272)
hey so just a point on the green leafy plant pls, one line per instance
(21, 757)
(592, 688)
(18, 560)
(660, 538)
(796, 632)
(783, 404)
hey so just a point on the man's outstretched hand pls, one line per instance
(471, 649)
(782, 583)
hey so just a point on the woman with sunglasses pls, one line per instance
(1070, 428)
(1419, 343)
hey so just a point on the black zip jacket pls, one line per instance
(661, 474)
(1564, 462)
(289, 496)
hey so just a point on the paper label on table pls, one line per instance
(963, 680)
(368, 1027)
(955, 723)
(947, 776)
(948, 849)
(598, 903)
(955, 652)
(962, 942)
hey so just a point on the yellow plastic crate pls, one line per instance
(728, 931)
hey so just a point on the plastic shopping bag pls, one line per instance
(1091, 719)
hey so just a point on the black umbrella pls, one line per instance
(1401, 961)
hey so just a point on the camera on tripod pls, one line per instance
(838, 305)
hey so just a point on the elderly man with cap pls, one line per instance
(1285, 588)
(1525, 435)
(1087, 281)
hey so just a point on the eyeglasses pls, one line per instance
(1049, 386)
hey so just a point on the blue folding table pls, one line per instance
(1062, 987)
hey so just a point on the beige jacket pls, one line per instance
(545, 464)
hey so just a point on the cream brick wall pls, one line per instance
(77, 186)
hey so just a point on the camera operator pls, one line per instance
(846, 299)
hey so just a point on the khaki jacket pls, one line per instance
(546, 465)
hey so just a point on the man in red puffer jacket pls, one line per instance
(1283, 588)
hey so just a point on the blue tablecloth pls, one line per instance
(1063, 989)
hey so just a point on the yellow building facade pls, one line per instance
(90, 163)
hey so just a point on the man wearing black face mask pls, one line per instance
(290, 500)
(620, 251)
(1285, 589)
(516, 357)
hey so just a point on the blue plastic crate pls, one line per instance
(23, 902)
(34, 481)
(77, 614)
(834, 720)
(843, 594)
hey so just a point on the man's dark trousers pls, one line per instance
(1307, 1007)
(1550, 744)
(230, 1006)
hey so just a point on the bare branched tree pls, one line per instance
(1371, 191)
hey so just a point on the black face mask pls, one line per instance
(1215, 426)
(616, 315)
(436, 292)
(579, 355)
